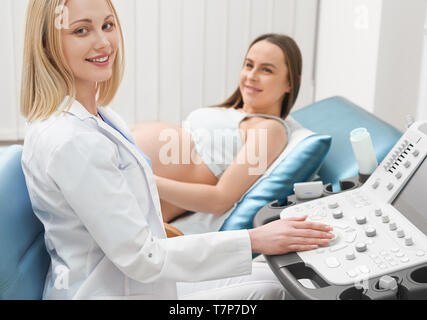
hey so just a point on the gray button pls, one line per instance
(378, 212)
(337, 214)
(392, 226)
(371, 232)
(333, 205)
(409, 241)
(390, 186)
(361, 247)
(416, 153)
(386, 219)
(361, 220)
(407, 164)
(398, 175)
(376, 184)
(350, 255)
(150, 255)
(400, 233)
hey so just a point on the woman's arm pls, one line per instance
(264, 142)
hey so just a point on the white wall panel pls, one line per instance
(8, 81)
(180, 54)
(192, 56)
(125, 101)
(147, 40)
(19, 8)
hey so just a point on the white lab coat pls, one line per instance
(97, 199)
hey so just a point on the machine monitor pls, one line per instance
(412, 199)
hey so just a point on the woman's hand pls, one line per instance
(289, 235)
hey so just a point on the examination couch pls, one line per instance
(23, 258)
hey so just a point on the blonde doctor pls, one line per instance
(94, 191)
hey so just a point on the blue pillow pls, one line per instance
(298, 166)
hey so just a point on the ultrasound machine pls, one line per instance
(380, 246)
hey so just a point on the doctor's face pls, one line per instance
(264, 78)
(91, 41)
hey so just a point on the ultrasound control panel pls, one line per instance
(380, 227)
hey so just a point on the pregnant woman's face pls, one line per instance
(264, 78)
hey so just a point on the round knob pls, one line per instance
(350, 255)
(361, 247)
(378, 212)
(392, 226)
(333, 205)
(361, 220)
(386, 219)
(409, 241)
(400, 233)
(371, 232)
(337, 214)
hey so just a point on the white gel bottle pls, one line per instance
(364, 152)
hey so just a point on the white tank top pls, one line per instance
(216, 134)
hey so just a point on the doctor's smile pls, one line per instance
(101, 60)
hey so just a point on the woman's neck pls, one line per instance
(86, 96)
(276, 111)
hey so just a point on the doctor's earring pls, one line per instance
(62, 278)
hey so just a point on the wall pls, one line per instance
(181, 54)
(400, 60)
(348, 49)
(370, 51)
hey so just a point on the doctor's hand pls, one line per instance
(289, 235)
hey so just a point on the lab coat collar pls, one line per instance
(77, 109)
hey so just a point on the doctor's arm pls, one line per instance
(264, 143)
(127, 230)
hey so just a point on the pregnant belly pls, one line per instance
(172, 153)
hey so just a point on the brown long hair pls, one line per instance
(293, 60)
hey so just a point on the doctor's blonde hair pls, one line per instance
(46, 77)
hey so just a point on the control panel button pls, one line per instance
(361, 247)
(337, 214)
(398, 175)
(390, 186)
(378, 212)
(333, 205)
(409, 241)
(385, 219)
(332, 262)
(416, 153)
(407, 164)
(376, 184)
(352, 273)
(364, 269)
(350, 237)
(350, 255)
(371, 232)
(400, 233)
(361, 220)
(392, 226)
(420, 253)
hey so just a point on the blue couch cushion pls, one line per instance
(24, 260)
(298, 166)
(337, 117)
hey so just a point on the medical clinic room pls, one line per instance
(213, 154)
